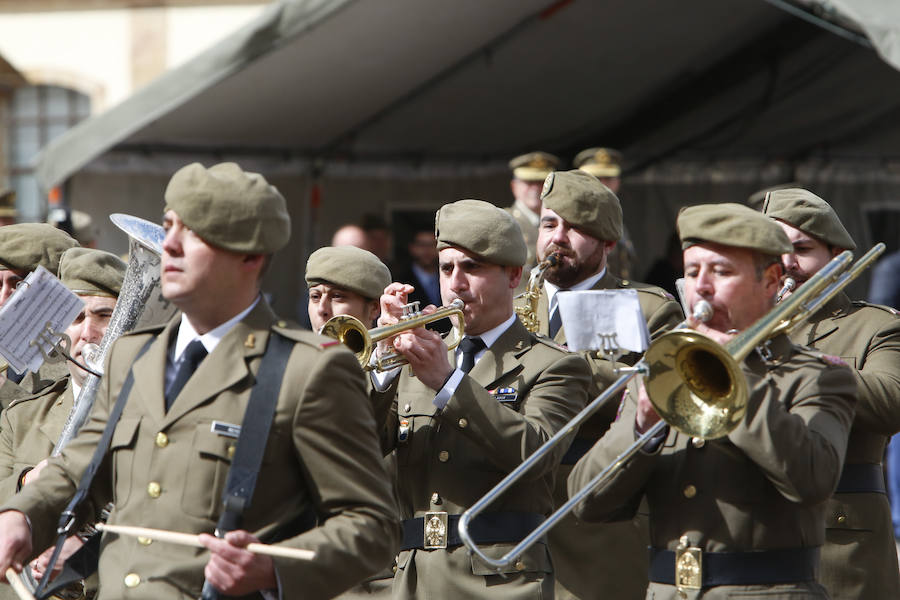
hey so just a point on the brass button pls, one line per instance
(443, 456)
(230, 451)
(154, 489)
(436, 498)
(162, 440)
(698, 442)
(132, 580)
(406, 407)
(625, 282)
(841, 518)
(690, 491)
(463, 423)
(144, 541)
(520, 566)
(282, 323)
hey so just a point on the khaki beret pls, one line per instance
(533, 166)
(91, 272)
(8, 203)
(26, 246)
(583, 201)
(348, 267)
(810, 214)
(731, 224)
(758, 198)
(483, 229)
(230, 208)
(599, 162)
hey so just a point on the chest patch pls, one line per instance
(504, 394)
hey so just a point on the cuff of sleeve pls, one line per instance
(653, 444)
(382, 380)
(446, 392)
(21, 481)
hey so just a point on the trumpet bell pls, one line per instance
(352, 333)
(695, 384)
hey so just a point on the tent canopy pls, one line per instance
(347, 82)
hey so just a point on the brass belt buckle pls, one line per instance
(688, 566)
(435, 530)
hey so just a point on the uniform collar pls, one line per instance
(210, 339)
(584, 284)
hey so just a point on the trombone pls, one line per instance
(351, 332)
(710, 391)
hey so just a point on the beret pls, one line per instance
(731, 224)
(582, 200)
(26, 246)
(348, 267)
(230, 208)
(599, 162)
(810, 214)
(533, 166)
(91, 272)
(483, 229)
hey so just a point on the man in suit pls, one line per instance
(859, 559)
(581, 222)
(31, 426)
(344, 280)
(421, 271)
(170, 451)
(469, 417)
(741, 515)
(23, 248)
(529, 171)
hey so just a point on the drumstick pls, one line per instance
(187, 539)
(16, 582)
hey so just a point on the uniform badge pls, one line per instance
(504, 394)
(834, 361)
(435, 530)
(329, 344)
(225, 429)
(403, 430)
(548, 185)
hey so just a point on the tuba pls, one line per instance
(532, 294)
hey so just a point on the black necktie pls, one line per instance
(470, 346)
(193, 354)
(555, 322)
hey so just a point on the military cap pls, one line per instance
(731, 224)
(230, 208)
(810, 214)
(8, 203)
(533, 166)
(483, 229)
(599, 162)
(348, 267)
(90, 272)
(583, 201)
(26, 246)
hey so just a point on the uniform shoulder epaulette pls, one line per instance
(887, 309)
(295, 333)
(154, 329)
(646, 288)
(57, 387)
(548, 342)
(828, 359)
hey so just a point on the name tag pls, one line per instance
(505, 394)
(226, 429)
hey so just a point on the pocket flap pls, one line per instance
(125, 433)
(535, 560)
(212, 444)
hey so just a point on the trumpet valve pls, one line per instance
(411, 310)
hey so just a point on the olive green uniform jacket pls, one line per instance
(859, 559)
(32, 383)
(452, 457)
(167, 470)
(574, 544)
(762, 487)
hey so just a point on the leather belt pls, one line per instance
(861, 478)
(486, 528)
(785, 565)
(579, 448)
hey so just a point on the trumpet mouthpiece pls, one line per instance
(703, 311)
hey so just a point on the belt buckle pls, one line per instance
(688, 566)
(435, 530)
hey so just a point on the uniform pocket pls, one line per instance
(205, 472)
(122, 449)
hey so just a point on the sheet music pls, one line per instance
(585, 314)
(39, 300)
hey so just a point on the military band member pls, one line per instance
(31, 426)
(529, 171)
(744, 514)
(859, 559)
(469, 417)
(23, 248)
(606, 165)
(170, 451)
(345, 280)
(581, 222)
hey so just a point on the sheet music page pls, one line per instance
(39, 300)
(585, 314)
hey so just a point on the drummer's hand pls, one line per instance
(39, 565)
(15, 541)
(235, 571)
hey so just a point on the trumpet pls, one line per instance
(695, 384)
(351, 332)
